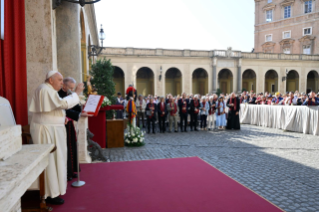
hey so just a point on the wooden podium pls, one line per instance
(115, 133)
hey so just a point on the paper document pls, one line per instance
(92, 103)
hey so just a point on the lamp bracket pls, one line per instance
(56, 3)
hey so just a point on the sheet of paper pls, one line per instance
(92, 103)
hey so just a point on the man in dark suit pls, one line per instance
(72, 114)
(162, 112)
(183, 111)
(150, 110)
(119, 101)
(194, 110)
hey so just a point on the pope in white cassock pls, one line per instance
(47, 127)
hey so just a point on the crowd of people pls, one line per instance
(206, 112)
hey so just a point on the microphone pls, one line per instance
(69, 92)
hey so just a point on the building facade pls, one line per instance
(163, 71)
(58, 39)
(287, 26)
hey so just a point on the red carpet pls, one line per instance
(177, 185)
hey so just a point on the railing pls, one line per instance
(213, 53)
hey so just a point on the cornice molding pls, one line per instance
(269, 6)
(268, 44)
(287, 3)
(287, 40)
(306, 37)
(306, 0)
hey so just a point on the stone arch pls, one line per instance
(84, 50)
(292, 81)
(145, 81)
(312, 81)
(200, 81)
(271, 81)
(225, 80)
(173, 81)
(119, 80)
(249, 80)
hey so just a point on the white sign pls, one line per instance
(2, 19)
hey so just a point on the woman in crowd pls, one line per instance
(211, 112)
(220, 113)
(204, 108)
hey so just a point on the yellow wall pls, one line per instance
(200, 82)
(312, 84)
(268, 84)
(292, 84)
(229, 85)
(173, 86)
(250, 83)
(145, 86)
(119, 86)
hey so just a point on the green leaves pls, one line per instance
(102, 79)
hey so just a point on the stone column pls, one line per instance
(40, 43)
(68, 32)
(214, 77)
(239, 84)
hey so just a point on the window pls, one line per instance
(286, 34)
(307, 31)
(267, 51)
(269, 15)
(268, 38)
(286, 51)
(269, 1)
(272, 88)
(308, 6)
(306, 49)
(287, 13)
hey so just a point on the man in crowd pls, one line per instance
(233, 112)
(252, 99)
(172, 110)
(162, 112)
(140, 107)
(151, 110)
(277, 99)
(312, 100)
(183, 112)
(302, 98)
(119, 101)
(47, 127)
(72, 114)
(194, 110)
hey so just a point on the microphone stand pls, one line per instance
(78, 183)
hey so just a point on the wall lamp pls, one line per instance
(96, 50)
(160, 76)
(57, 3)
(285, 77)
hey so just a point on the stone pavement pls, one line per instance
(280, 166)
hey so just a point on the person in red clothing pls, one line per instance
(194, 110)
(150, 111)
(162, 113)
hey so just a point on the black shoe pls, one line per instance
(70, 178)
(75, 176)
(176, 131)
(185, 130)
(148, 132)
(54, 201)
(196, 129)
(154, 132)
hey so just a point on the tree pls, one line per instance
(218, 92)
(102, 79)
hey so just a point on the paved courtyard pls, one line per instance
(280, 166)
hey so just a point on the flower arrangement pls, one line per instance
(106, 102)
(134, 137)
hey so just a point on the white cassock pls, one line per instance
(47, 127)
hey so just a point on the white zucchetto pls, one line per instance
(50, 74)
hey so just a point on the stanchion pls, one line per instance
(78, 183)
